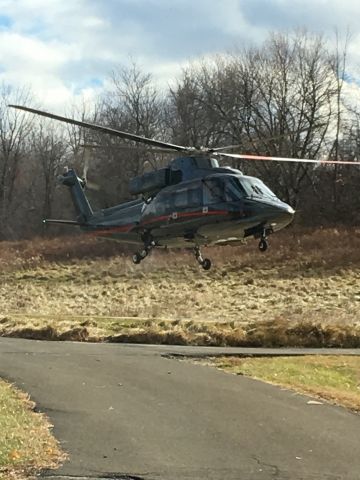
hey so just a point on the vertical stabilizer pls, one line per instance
(81, 203)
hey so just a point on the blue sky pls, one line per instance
(5, 22)
(66, 49)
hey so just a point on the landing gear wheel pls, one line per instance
(263, 245)
(136, 258)
(206, 264)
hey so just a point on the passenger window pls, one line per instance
(195, 196)
(213, 191)
(190, 196)
(181, 198)
(163, 203)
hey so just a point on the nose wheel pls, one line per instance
(204, 262)
(136, 258)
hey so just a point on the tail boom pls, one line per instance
(81, 203)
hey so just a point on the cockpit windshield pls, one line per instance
(233, 189)
(222, 190)
(256, 188)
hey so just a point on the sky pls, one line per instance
(65, 50)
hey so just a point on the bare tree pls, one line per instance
(338, 65)
(292, 108)
(202, 106)
(15, 128)
(49, 148)
(135, 105)
(276, 99)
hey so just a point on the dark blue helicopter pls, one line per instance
(191, 203)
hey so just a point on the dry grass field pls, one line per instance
(26, 443)
(305, 290)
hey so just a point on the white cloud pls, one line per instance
(93, 22)
(64, 50)
(18, 52)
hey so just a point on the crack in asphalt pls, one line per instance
(275, 469)
(277, 474)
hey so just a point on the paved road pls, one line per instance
(125, 410)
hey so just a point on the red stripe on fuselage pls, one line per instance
(184, 215)
(127, 228)
(111, 230)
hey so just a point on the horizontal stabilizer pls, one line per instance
(63, 222)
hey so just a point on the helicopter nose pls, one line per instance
(284, 215)
(289, 210)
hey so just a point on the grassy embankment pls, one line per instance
(26, 444)
(304, 291)
(335, 379)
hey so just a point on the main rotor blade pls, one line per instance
(227, 147)
(284, 159)
(131, 148)
(100, 128)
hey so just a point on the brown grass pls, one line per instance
(304, 291)
(26, 443)
(275, 333)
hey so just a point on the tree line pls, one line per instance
(286, 97)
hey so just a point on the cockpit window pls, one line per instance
(217, 190)
(255, 187)
(233, 189)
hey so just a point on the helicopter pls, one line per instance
(191, 203)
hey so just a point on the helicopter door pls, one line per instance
(195, 196)
(213, 191)
(189, 197)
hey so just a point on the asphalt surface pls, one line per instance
(126, 411)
